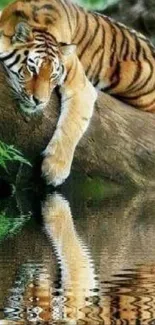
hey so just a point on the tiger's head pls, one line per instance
(34, 63)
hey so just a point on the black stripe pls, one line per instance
(93, 74)
(43, 40)
(138, 88)
(47, 7)
(9, 56)
(126, 50)
(131, 32)
(38, 46)
(41, 50)
(30, 60)
(84, 49)
(116, 74)
(84, 32)
(95, 84)
(76, 15)
(136, 104)
(96, 73)
(67, 14)
(21, 14)
(15, 73)
(124, 40)
(92, 60)
(137, 73)
(113, 44)
(96, 29)
(135, 78)
(102, 56)
(138, 47)
(91, 39)
(140, 95)
(42, 32)
(19, 71)
(72, 12)
(17, 59)
(78, 25)
(50, 39)
(96, 52)
(148, 79)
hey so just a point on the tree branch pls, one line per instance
(119, 144)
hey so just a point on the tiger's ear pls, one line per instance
(67, 49)
(23, 33)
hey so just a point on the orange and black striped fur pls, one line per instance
(46, 43)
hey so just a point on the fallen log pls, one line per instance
(119, 144)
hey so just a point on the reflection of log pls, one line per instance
(119, 143)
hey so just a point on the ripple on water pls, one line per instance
(94, 269)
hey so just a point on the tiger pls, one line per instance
(56, 43)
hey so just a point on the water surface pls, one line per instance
(83, 262)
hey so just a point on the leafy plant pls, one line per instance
(10, 226)
(10, 153)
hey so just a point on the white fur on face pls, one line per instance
(34, 61)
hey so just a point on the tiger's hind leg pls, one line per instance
(78, 98)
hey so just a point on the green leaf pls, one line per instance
(10, 153)
(10, 226)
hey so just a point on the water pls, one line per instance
(84, 262)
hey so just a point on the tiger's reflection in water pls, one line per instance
(77, 297)
(77, 270)
(36, 300)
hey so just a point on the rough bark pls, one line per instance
(119, 144)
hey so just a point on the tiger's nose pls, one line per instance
(37, 101)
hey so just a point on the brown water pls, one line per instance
(84, 263)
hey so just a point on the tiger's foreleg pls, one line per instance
(78, 98)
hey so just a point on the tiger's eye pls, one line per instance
(32, 69)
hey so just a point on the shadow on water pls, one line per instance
(83, 261)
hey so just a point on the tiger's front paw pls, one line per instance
(56, 166)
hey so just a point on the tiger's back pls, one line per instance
(118, 60)
(115, 58)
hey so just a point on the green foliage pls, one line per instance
(10, 153)
(96, 4)
(10, 226)
(4, 3)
